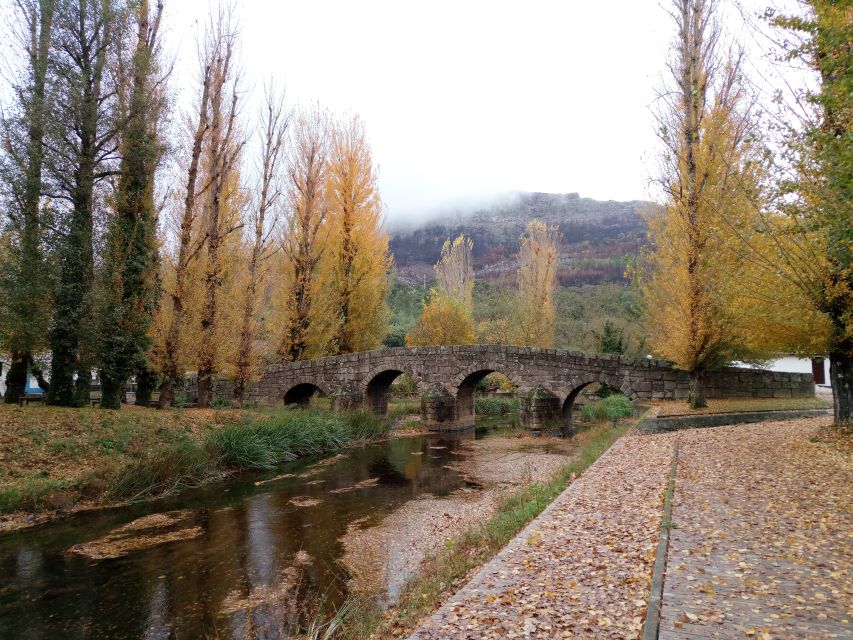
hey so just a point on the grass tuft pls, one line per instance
(609, 408)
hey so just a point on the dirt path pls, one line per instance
(579, 570)
(763, 539)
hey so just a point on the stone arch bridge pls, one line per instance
(547, 381)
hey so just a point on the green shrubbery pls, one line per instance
(609, 408)
(495, 406)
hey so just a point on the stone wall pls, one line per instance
(450, 373)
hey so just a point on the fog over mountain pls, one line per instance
(596, 236)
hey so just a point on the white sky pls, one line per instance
(463, 100)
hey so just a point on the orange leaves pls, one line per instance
(443, 321)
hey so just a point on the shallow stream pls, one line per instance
(247, 531)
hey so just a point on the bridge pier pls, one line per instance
(438, 410)
(347, 398)
(540, 409)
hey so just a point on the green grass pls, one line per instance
(495, 406)
(288, 436)
(35, 494)
(403, 406)
(447, 569)
(609, 408)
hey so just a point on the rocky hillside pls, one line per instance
(596, 237)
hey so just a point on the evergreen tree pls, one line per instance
(83, 137)
(130, 264)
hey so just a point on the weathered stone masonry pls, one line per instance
(548, 380)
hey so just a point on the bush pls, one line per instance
(495, 406)
(609, 408)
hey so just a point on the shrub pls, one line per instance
(495, 406)
(609, 408)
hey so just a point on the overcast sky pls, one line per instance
(465, 99)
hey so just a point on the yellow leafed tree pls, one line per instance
(444, 321)
(693, 272)
(448, 318)
(353, 270)
(537, 273)
(304, 332)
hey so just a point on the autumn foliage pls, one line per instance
(448, 318)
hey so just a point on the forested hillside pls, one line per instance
(596, 236)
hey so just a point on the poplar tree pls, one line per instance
(275, 121)
(304, 242)
(354, 269)
(24, 277)
(130, 264)
(220, 219)
(448, 317)
(800, 247)
(690, 285)
(170, 324)
(83, 145)
(537, 272)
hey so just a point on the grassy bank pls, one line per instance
(443, 573)
(55, 458)
(735, 405)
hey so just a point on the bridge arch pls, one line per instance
(578, 383)
(301, 392)
(465, 384)
(377, 388)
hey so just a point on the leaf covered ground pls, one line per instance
(763, 540)
(583, 567)
(761, 544)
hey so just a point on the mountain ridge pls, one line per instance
(596, 236)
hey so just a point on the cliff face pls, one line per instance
(596, 236)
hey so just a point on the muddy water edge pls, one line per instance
(252, 556)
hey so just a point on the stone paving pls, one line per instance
(763, 539)
(580, 570)
(762, 544)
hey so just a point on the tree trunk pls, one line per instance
(16, 378)
(841, 378)
(696, 399)
(111, 389)
(146, 381)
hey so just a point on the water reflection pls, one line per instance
(251, 536)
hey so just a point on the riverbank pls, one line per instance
(455, 550)
(55, 461)
(381, 558)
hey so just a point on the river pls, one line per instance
(244, 534)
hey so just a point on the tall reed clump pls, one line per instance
(262, 444)
(291, 435)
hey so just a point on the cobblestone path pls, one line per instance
(581, 569)
(763, 539)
